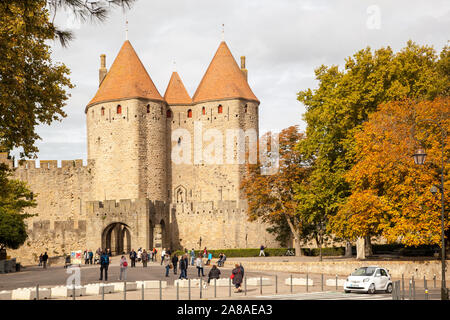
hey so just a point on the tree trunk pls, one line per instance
(348, 249)
(295, 233)
(319, 244)
(368, 246)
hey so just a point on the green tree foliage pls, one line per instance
(14, 198)
(345, 98)
(33, 89)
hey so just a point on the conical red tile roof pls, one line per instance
(126, 79)
(176, 93)
(223, 79)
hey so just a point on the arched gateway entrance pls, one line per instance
(117, 238)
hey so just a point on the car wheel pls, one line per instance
(371, 289)
(389, 288)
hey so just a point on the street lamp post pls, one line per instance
(419, 158)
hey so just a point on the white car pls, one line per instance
(369, 279)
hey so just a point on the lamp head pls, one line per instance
(419, 157)
(434, 190)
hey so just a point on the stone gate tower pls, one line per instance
(126, 129)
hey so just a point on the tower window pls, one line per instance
(148, 108)
(189, 113)
(103, 111)
(169, 113)
(203, 111)
(245, 108)
(119, 109)
(220, 109)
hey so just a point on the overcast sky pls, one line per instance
(283, 40)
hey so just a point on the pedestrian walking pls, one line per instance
(40, 260)
(144, 258)
(104, 264)
(44, 260)
(123, 269)
(67, 261)
(86, 256)
(237, 276)
(208, 262)
(163, 254)
(186, 260)
(205, 253)
(192, 256)
(183, 267)
(139, 255)
(91, 256)
(166, 263)
(261, 251)
(214, 273)
(133, 258)
(199, 265)
(175, 263)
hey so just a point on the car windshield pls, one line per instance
(366, 271)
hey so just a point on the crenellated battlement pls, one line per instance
(207, 208)
(52, 164)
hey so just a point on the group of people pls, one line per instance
(43, 258)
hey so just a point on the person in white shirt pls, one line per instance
(199, 264)
(163, 253)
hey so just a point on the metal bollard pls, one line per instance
(322, 282)
(425, 282)
(229, 287)
(260, 285)
(291, 283)
(336, 282)
(307, 285)
(245, 286)
(124, 290)
(178, 291)
(200, 288)
(73, 291)
(37, 292)
(434, 280)
(215, 288)
(103, 292)
(276, 284)
(143, 294)
(403, 286)
(414, 288)
(160, 290)
(410, 290)
(189, 289)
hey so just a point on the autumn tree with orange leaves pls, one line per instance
(390, 194)
(271, 197)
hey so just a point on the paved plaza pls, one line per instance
(278, 288)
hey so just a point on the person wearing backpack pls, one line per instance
(133, 258)
(104, 264)
(175, 263)
(183, 267)
(237, 276)
(123, 268)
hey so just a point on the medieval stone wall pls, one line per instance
(60, 192)
(220, 225)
